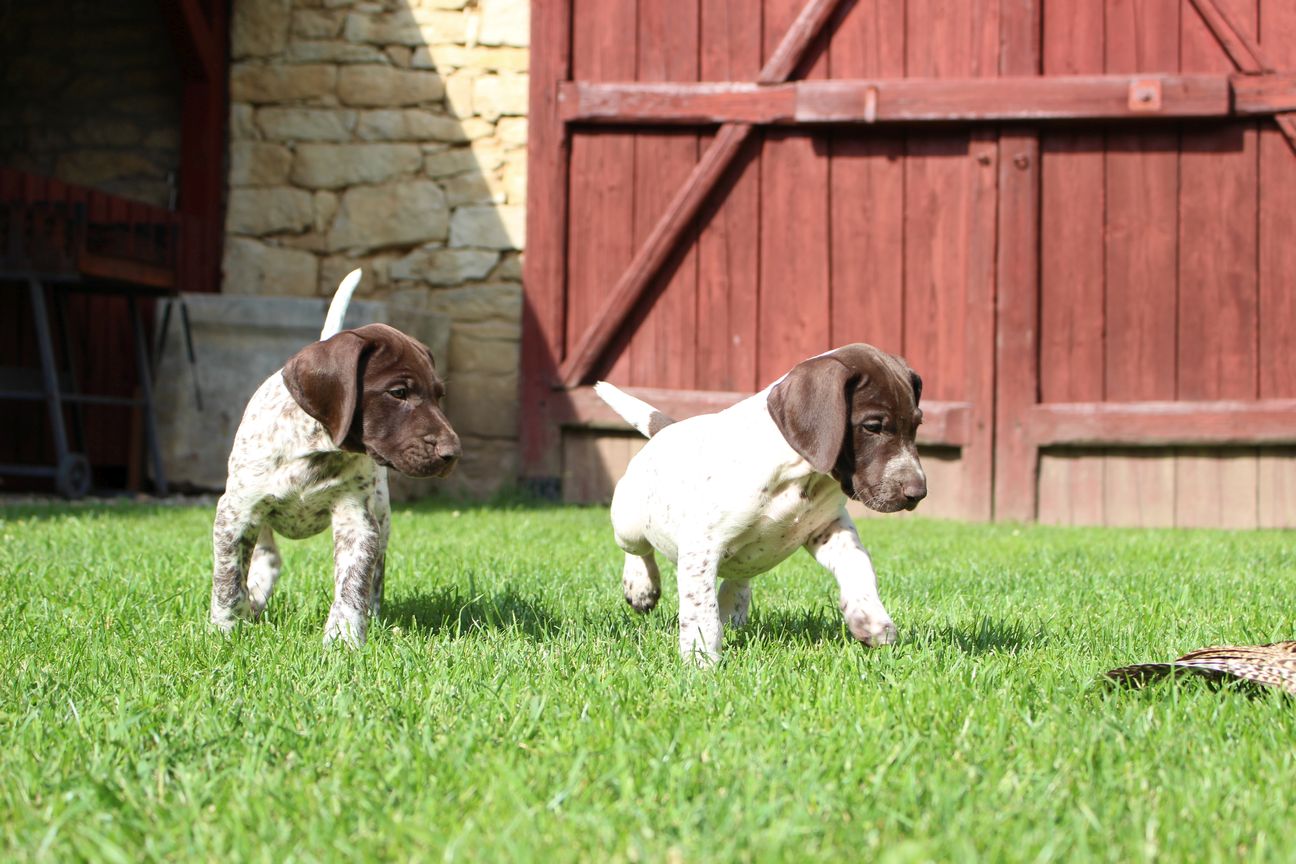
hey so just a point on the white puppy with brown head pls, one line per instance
(729, 495)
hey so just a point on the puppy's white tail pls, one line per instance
(636, 412)
(338, 308)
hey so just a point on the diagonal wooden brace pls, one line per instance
(682, 209)
(1245, 54)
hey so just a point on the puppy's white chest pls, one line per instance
(782, 524)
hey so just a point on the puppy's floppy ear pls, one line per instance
(916, 380)
(811, 406)
(324, 379)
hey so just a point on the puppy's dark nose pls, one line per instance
(450, 450)
(914, 490)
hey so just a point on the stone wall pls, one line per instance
(391, 135)
(90, 94)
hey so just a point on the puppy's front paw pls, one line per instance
(873, 628)
(223, 618)
(345, 630)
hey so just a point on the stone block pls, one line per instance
(252, 267)
(267, 211)
(459, 92)
(330, 51)
(472, 354)
(503, 94)
(306, 124)
(315, 23)
(326, 205)
(448, 163)
(255, 163)
(444, 266)
(262, 85)
(515, 182)
(334, 166)
(485, 405)
(242, 122)
(499, 227)
(512, 131)
(384, 87)
(474, 188)
(505, 22)
(400, 214)
(259, 28)
(488, 466)
(478, 303)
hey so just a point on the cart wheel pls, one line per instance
(73, 479)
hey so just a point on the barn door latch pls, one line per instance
(1145, 95)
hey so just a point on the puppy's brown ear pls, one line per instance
(916, 380)
(324, 379)
(810, 407)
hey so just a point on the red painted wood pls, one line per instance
(727, 269)
(792, 303)
(1267, 94)
(600, 240)
(544, 287)
(1217, 287)
(950, 234)
(663, 351)
(866, 190)
(1142, 248)
(945, 424)
(1277, 252)
(913, 100)
(1277, 273)
(1233, 31)
(1071, 266)
(679, 214)
(1164, 424)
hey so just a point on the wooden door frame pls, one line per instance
(554, 379)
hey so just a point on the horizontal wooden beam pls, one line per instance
(1162, 424)
(919, 100)
(945, 424)
(1264, 94)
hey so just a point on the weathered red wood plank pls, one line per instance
(1142, 248)
(1017, 288)
(1071, 267)
(915, 100)
(1217, 287)
(727, 269)
(662, 352)
(543, 324)
(600, 239)
(1226, 422)
(1233, 33)
(950, 230)
(1266, 94)
(793, 295)
(684, 207)
(1277, 274)
(866, 183)
(944, 423)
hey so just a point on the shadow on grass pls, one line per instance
(985, 636)
(451, 611)
(812, 626)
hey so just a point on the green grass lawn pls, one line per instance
(510, 706)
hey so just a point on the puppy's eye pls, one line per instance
(873, 424)
(399, 392)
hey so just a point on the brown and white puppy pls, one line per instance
(727, 496)
(313, 450)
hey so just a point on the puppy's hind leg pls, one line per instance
(735, 601)
(641, 581)
(263, 572)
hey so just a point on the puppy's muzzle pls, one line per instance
(914, 490)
